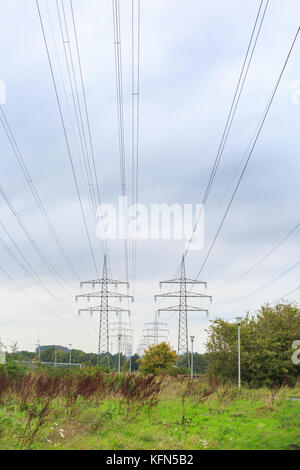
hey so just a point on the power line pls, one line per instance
(286, 295)
(234, 105)
(89, 168)
(27, 266)
(119, 88)
(265, 114)
(135, 104)
(32, 187)
(233, 108)
(67, 100)
(236, 98)
(261, 260)
(262, 287)
(76, 105)
(88, 121)
(25, 292)
(32, 241)
(66, 139)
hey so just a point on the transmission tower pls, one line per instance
(183, 307)
(104, 308)
(142, 346)
(123, 332)
(154, 329)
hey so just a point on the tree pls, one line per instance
(199, 363)
(2, 346)
(266, 346)
(135, 362)
(14, 349)
(157, 359)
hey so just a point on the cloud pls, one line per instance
(191, 55)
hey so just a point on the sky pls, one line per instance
(191, 54)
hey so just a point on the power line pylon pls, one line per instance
(124, 333)
(183, 308)
(142, 346)
(104, 308)
(153, 330)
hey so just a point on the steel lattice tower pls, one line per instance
(124, 331)
(183, 307)
(142, 346)
(103, 340)
(153, 330)
(104, 308)
(183, 339)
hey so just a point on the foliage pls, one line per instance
(36, 413)
(138, 392)
(266, 347)
(157, 359)
(175, 370)
(199, 363)
(12, 369)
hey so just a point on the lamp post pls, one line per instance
(192, 356)
(70, 353)
(39, 349)
(55, 357)
(238, 321)
(119, 356)
(130, 354)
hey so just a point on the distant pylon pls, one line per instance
(123, 331)
(183, 308)
(154, 329)
(104, 308)
(142, 346)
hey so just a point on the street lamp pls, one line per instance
(119, 358)
(192, 356)
(130, 354)
(55, 357)
(239, 321)
(39, 349)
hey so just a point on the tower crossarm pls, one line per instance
(157, 324)
(99, 295)
(188, 294)
(110, 308)
(101, 281)
(180, 280)
(147, 330)
(177, 308)
(157, 336)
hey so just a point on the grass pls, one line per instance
(226, 419)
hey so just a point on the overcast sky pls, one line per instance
(191, 54)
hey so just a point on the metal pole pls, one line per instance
(119, 356)
(70, 353)
(239, 356)
(39, 349)
(192, 357)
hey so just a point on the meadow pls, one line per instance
(94, 410)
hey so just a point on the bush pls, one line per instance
(158, 359)
(266, 347)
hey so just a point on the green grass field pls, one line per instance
(246, 419)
